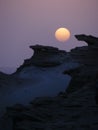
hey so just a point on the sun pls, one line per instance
(62, 34)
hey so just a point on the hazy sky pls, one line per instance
(30, 22)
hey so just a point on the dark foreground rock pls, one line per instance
(5, 79)
(76, 112)
(81, 76)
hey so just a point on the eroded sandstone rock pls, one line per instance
(45, 56)
(89, 39)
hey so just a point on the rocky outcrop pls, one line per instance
(45, 56)
(90, 40)
(81, 76)
(87, 73)
(87, 55)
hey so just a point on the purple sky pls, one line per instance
(30, 22)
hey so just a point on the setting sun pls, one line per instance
(62, 34)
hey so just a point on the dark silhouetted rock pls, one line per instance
(87, 55)
(5, 79)
(90, 40)
(81, 76)
(45, 56)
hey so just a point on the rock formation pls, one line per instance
(81, 76)
(90, 40)
(45, 56)
(87, 55)
(5, 79)
(74, 109)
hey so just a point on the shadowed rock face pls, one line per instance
(5, 79)
(45, 56)
(87, 55)
(77, 111)
(90, 40)
(81, 76)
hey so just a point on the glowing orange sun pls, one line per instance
(62, 34)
